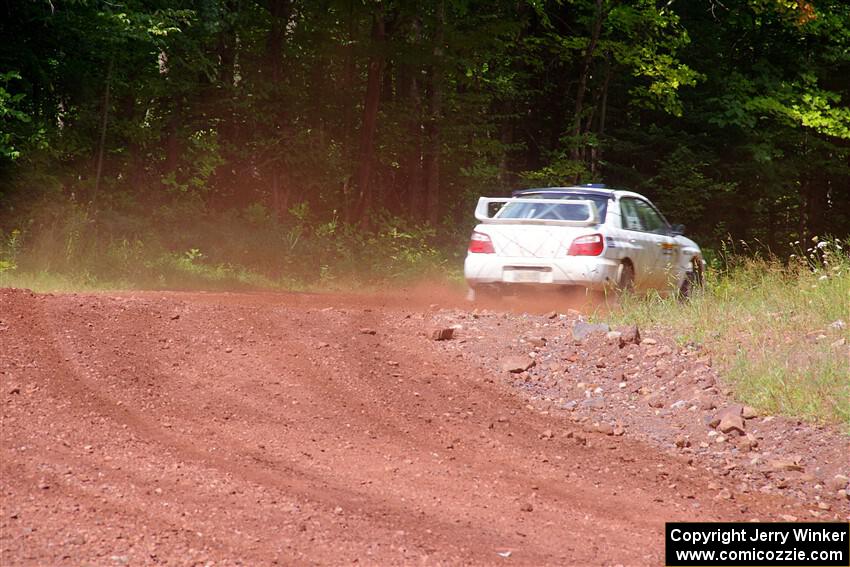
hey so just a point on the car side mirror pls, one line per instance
(677, 229)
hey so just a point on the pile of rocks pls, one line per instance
(641, 384)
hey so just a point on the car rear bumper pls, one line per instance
(587, 271)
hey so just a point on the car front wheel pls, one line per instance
(694, 281)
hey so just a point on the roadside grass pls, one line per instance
(48, 282)
(780, 331)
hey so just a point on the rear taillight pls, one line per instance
(590, 245)
(480, 243)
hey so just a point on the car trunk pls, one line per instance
(530, 241)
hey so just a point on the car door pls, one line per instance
(641, 244)
(662, 244)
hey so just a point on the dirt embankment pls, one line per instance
(179, 429)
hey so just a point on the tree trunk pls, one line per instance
(582, 81)
(771, 227)
(410, 189)
(225, 175)
(227, 61)
(506, 136)
(433, 141)
(172, 141)
(596, 151)
(136, 160)
(370, 120)
(104, 121)
(280, 192)
(349, 69)
(280, 12)
(805, 194)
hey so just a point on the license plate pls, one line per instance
(523, 276)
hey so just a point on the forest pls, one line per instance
(307, 140)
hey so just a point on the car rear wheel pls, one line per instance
(626, 278)
(484, 293)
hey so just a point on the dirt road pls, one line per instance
(228, 429)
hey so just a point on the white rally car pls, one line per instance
(586, 236)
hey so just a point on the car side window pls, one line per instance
(650, 219)
(631, 219)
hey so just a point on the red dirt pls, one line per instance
(225, 429)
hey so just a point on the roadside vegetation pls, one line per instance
(69, 248)
(779, 329)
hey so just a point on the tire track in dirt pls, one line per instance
(299, 482)
(86, 397)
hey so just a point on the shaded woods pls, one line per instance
(128, 126)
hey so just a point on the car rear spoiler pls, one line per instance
(482, 212)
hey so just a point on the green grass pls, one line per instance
(768, 324)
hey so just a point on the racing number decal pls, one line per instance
(667, 248)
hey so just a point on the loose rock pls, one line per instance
(838, 482)
(516, 364)
(731, 423)
(630, 337)
(778, 465)
(748, 412)
(655, 401)
(724, 494)
(605, 428)
(582, 330)
(442, 334)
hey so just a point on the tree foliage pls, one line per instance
(733, 115)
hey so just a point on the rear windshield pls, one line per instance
(549, 211)
(561, 211)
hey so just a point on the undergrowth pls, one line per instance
(184, 246)
(779, 329)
